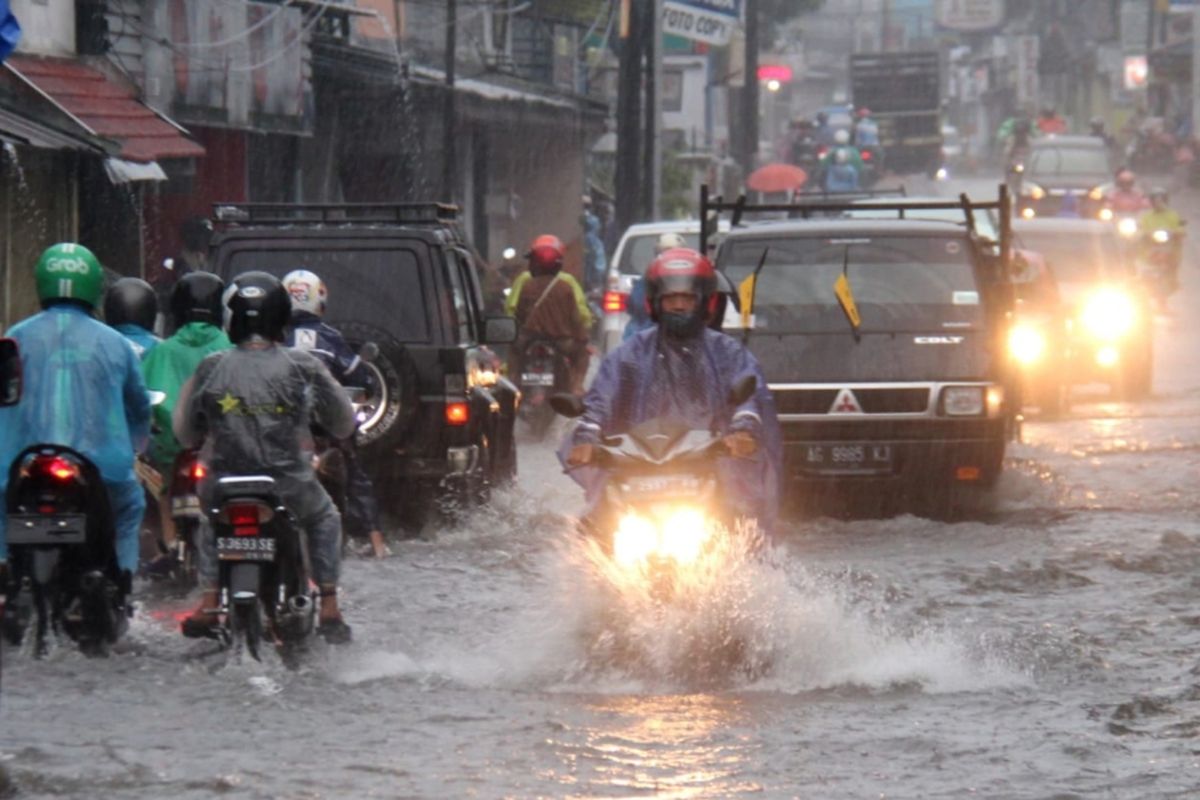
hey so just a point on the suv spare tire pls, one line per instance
(394, 370)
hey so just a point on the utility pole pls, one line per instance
(749, 105)
(652, 153)
(449, 112)
(629, 178)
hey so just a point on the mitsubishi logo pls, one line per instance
(845, 403)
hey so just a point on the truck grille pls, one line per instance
(890, 400)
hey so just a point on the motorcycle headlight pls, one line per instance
(1035, 192)
(1109, 314)
(1026, 344)
(1105, 215)
(634, 540)
(1127, 227)
(963, 401)
(1096, 193)
(1028, 213)
(1161, 237)
(683, 535)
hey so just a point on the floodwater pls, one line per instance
(1048, 649)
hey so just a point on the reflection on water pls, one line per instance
(677, 746)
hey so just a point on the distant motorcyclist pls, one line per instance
(802, 147)
(82, 389)
(1126, 197)
(308, 331)
(824, 131)
(639, 315)
(595, 261)
(131, 306)
(196, 313)
(1050, 123)
(549, 304)
(1098, 129)
(866, 131)
(841, 175)
(683, 370)
(195, 234)
(252, 408)
(1161, 217)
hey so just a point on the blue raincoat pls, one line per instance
(649, 376)
(143, 341)
(10, 30)
(639, 320)
(83, 389)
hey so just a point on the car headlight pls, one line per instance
(1028, 213)
(1109, 314)
(942, 174)
(1096, 193)
(1127, 227)
(963, 401)
(1105, 215)
(1026, 344)
(1161, 237)
(1035, 192)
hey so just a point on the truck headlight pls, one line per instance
(1127, 227)
(1026, 344)
(963, 401)
(1109, 314)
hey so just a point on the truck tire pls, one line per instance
(399, 377)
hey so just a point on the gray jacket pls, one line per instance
(252, 407)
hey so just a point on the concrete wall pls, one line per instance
(47, 26)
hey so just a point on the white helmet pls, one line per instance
(668, 241)
(307, 291)
(842, 136)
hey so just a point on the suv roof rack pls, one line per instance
(711, 208)
(336, 213)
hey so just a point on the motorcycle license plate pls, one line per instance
(47, 529)
(537, 379)
(677, 485)
(187, 506)
(849, 458)
(245, 548)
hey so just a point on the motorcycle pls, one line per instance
(62, 566)
(263, 568)
(662, 505)
(184, 498)
(544, 370)
(1160, 255)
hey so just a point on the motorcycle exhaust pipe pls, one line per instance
(92, 582)
(299, 604)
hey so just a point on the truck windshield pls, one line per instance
(900, 284)
(376, 286)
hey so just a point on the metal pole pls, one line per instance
(750, 91)
(654, 51)
(449, 112)
(1195, 71)
(629, 119)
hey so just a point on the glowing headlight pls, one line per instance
(634, 541)
(1127, 227)
(1026, 344)
(683, 536)
(1109, 314)
(1105, 215)
(942, 174)
(1028, 213)
(963, 401)
(1096, 194)
(1161, 237)
(1018, 168)
(1036, 192)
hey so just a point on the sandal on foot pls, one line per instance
(334, 631)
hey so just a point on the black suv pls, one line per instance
(401, 276)
(899, 383)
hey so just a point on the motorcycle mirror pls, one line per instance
(369, 351)
(157, 398)
(10, 372)
(567, 405)
(743, 390)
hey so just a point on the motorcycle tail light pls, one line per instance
(197, 471)
(246, 518)
(867, 155)
(56, 467)
(615, 302)
(458, 414)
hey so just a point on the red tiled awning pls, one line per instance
(105, 107)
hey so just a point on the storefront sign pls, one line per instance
(709, 21)
(970, 15)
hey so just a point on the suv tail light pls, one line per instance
(615, 302)
(458, 414)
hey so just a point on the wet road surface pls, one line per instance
(1049, 649)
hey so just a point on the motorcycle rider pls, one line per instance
(549, 304)
(196, 311)
(131, 306)
(842, 165)
(1049, 122)
(1097, 128)
(1125, 197)
(1161, 217)
(683, 369)
(252, 407)
(866, 131)
(309, 332)
(83, 389)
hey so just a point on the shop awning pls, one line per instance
(20, 130)
(105, 107)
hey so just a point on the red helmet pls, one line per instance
(546, 254)
(864, 112)
(681, 270)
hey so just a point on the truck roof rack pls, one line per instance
(711, 208)
(336, 213)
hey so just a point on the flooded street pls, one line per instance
(1048, 649)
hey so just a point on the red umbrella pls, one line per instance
(776, 178)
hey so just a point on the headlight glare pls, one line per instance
(1036, 192)
(1105, 215)
(1096, 194)
(1026, 344)
(1109, 314)
(1161, 237)
(1127, 227)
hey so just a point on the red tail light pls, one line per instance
(867, 155)
(458, 414)
(57, 467)
(197, 472)
(615, 302)
(244, 518)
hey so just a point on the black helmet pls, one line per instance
(726, 294)
(256, 304)
(196, 297)
(131, 301)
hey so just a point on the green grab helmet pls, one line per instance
(68, 271)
